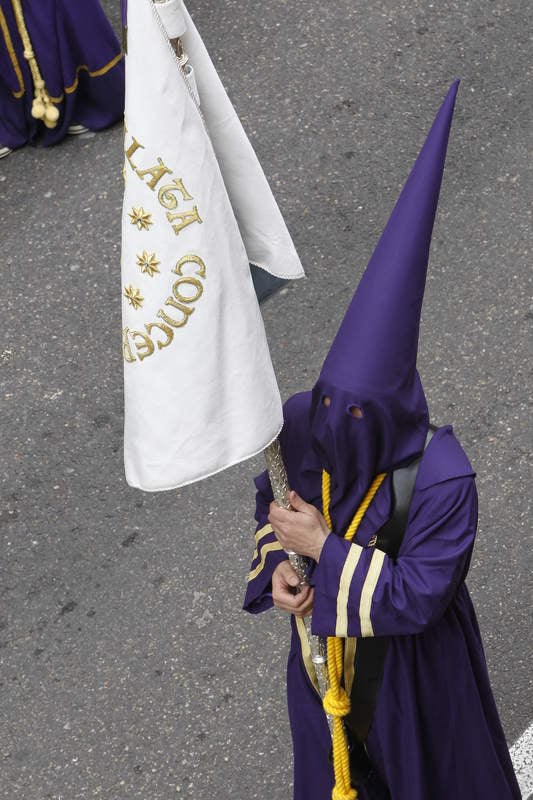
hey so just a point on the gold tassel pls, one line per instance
(42, 107)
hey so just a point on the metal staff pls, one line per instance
(280, 488)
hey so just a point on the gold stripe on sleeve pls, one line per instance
(268, 548)
(262, 532)
(350, 646)
(12, 55)
(306, 652)
(369, 587)
(354, 554)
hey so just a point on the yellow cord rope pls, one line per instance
(337, 702)
(42, 106)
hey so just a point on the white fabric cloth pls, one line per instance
(173, 17)
(200, 390)
(264, 233)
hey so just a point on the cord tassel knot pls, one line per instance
(336, 701)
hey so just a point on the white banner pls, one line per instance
(200, 391)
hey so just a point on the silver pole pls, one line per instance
(280, 488)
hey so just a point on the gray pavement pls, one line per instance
(127, 670)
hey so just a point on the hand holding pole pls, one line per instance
(281, 490)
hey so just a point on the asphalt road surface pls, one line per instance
(127, 669)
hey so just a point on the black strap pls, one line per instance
(368, 671)
(389, 538)
(370, 652)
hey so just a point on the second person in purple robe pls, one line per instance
(61, 70)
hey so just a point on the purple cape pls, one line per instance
(81, 63)
(436, 733)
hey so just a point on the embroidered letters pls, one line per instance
(189, 271)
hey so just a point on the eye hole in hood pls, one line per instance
(356, 435)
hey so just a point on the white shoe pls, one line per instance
(5, 151)
(75, 129)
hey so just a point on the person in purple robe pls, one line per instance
(61, 71)
(419, 717)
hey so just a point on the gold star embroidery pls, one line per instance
(133, 296)
(148, 263)
(141, 218)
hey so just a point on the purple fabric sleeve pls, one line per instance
(370, 594)
(267, 555)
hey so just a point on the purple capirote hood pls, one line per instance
(372, 361)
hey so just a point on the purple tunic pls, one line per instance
(436, 734)
(81, 63)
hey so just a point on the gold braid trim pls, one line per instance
(337, 700)
(12, 55)
(92, 74)
(42, 106)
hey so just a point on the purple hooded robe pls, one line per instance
(435, 733)
(80, 61)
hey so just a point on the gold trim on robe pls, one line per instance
(306, 653)
(265, 550)
(13, 56)
(94, 74)
(367, 594)
(350, 565)
(350, 647)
